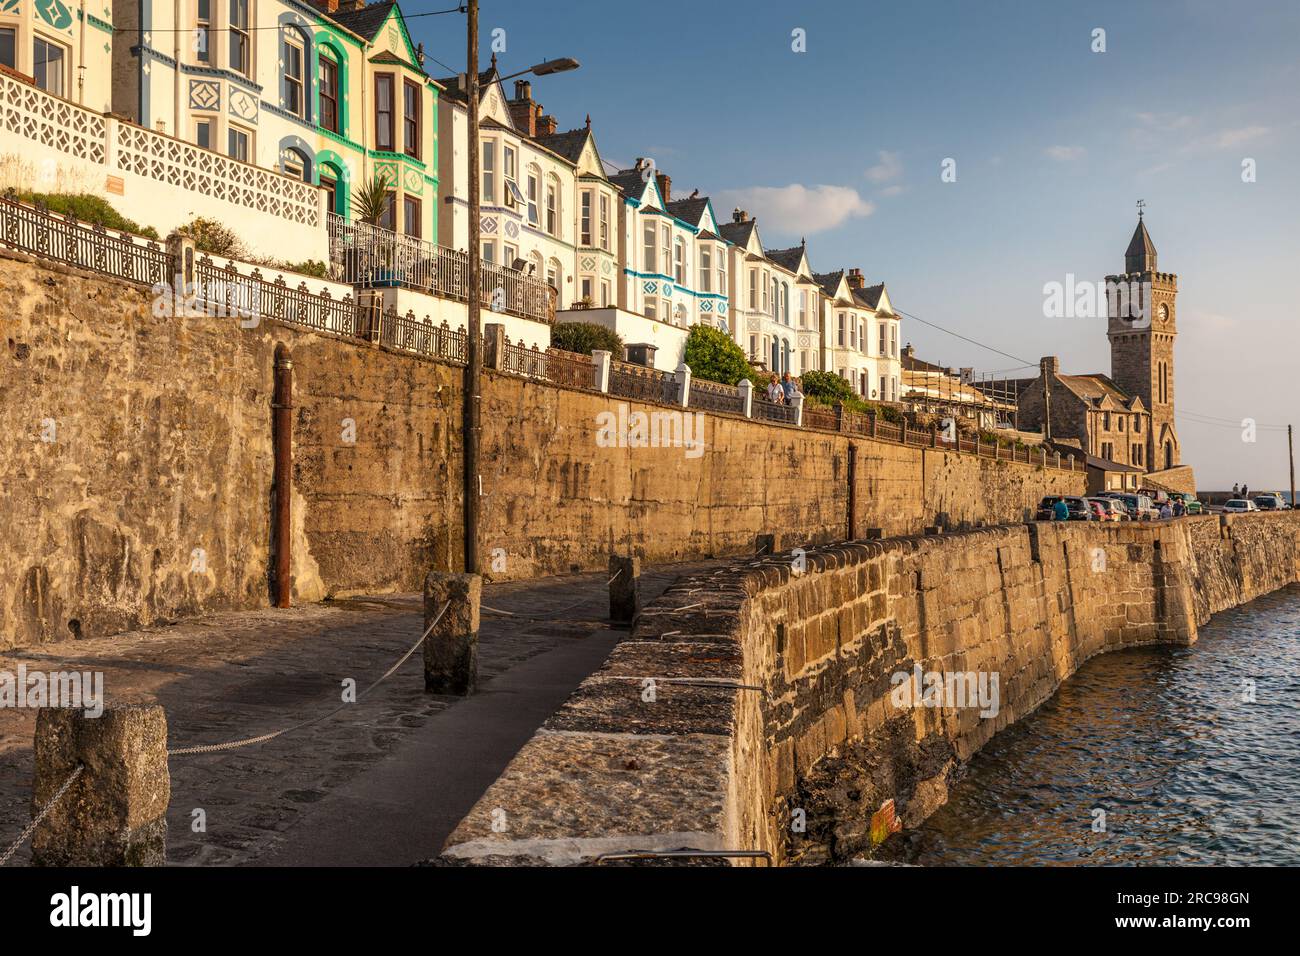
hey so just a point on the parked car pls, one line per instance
(1079, 508)
(1139, 507)
(1269, 502)
(1108, 509)
(1240, 505)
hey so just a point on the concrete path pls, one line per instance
(381, 783)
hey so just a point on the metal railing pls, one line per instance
(367, 256)
(37, 231)
(715, 397)
(773, 411)
(639, 382)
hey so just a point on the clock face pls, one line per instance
(1163, 313)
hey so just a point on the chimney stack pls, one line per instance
(855, 279)
(523, 111)
(665, 187)
(546, 125)
(1049, 364)
(739, 215)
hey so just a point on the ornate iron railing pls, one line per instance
(37, 231)
(715, 397)
(773, 412)
(640, 382)
(372, 257)
(570, 369)
(819, 416)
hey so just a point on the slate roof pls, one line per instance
(568, 144)
(869, 295)
(787, 259)
(738, 232)
(1093, 388)
(451, 84)
(366, 21)
(1140, 244)
(829, 281)
(629, 181)
(689, 210)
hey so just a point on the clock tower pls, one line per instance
(1141, 327)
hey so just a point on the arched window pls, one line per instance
(297, 159)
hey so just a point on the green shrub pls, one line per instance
(89, 208)
(583, 337)
(213, 238)
(711, 354)
(312, 267)
(825, 388)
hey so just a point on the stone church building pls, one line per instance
(1126, 417)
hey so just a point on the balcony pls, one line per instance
(372, 257)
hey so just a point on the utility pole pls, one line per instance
(1290, 448)
(473, 354)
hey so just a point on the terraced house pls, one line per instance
(63, 48)
(861, 334)
(528, 197)
(331, 94)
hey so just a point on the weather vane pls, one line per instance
(1141, 204)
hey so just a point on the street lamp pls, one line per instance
(473, 487)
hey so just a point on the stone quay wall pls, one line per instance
(136, 455)
(752, 708)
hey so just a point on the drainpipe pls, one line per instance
(282, 405)
(81, 58)
(853, 491)
(176, 70)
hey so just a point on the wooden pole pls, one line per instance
(473, 353)
(1290, 448)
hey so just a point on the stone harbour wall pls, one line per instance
(754, 708)
(136, 456)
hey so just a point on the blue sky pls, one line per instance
(1053, 144)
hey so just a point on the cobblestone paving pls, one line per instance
(235, 675)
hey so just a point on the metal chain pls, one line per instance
(235, 744)
(551, 614)
(31, 827)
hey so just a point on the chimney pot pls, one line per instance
(665, 187)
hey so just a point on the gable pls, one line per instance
(492, 105)
(392, 36)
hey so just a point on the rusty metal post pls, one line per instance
(853, 491)
(282, 404)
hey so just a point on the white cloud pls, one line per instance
(1064, 154)
(894, 190)
(889, 167)
(1165, 122)
(796, 209)
(1235, 137)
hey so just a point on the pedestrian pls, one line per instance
(1245, 492)
(1165, 510)
(775, 393)
(1236, 489)
(1060, 510)
(788, 388)
(1180, 509)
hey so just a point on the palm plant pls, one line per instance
(371, 198)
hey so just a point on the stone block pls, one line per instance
(115, 812)
(624, 589)
(451, 647)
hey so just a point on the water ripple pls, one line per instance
(1161, 739)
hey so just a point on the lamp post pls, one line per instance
(473, 486)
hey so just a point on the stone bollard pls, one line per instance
(115, 812)
(624, 590)
(451, 649)
(765, 544)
